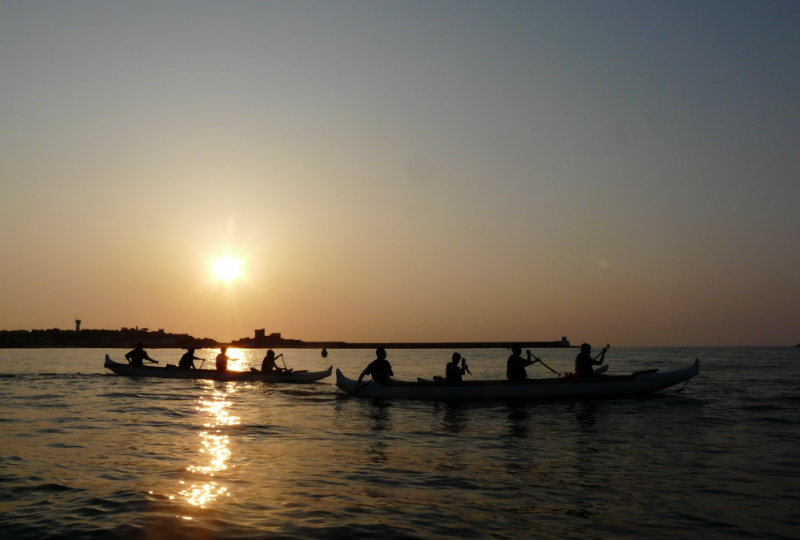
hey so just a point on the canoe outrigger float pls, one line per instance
(296, 376)
(638, 382)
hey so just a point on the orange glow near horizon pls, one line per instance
(425, 213)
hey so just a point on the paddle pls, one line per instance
(287, 370)
(540, 361)
(148, 359)
(359, 384)
(601, 357)
(465, 366)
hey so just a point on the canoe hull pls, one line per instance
(570, 387)
(212, 374)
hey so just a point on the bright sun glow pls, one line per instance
(227, 268)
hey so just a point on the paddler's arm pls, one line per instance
(531, 355)
(600, 357)
(360, 377)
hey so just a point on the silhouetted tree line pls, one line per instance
(125, 337)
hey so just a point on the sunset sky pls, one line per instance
(621, 172)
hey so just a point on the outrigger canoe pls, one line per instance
(597, 371)
(638, 382)
(296, 376)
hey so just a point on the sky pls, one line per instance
(613, 172)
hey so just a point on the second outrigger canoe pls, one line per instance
(636, 383)
(297, 376)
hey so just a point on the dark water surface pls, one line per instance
(85, 454)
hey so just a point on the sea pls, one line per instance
(87, 454)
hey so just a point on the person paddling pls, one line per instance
(268, 365)
(222, 360)
(584, 360)
(515, 368)
(380, 369)
(188, 358)
(137, 356)
(454, 372)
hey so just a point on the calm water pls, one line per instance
(86, 454)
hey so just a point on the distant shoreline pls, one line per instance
(312, 345)
(128, 338)
(437, 345)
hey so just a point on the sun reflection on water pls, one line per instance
(215, 446)
(236, 360)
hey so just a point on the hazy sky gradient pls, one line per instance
(622, 172)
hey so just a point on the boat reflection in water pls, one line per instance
(215, 446)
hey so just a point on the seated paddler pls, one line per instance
(380, 368)
(515, 367)
(584, 362)
(222, 360)
(268, 365)
(456, 368)
(137, 356)
(188, 358)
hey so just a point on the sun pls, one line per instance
(227, 268)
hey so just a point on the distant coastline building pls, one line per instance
(260, 339)
(77, 325)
